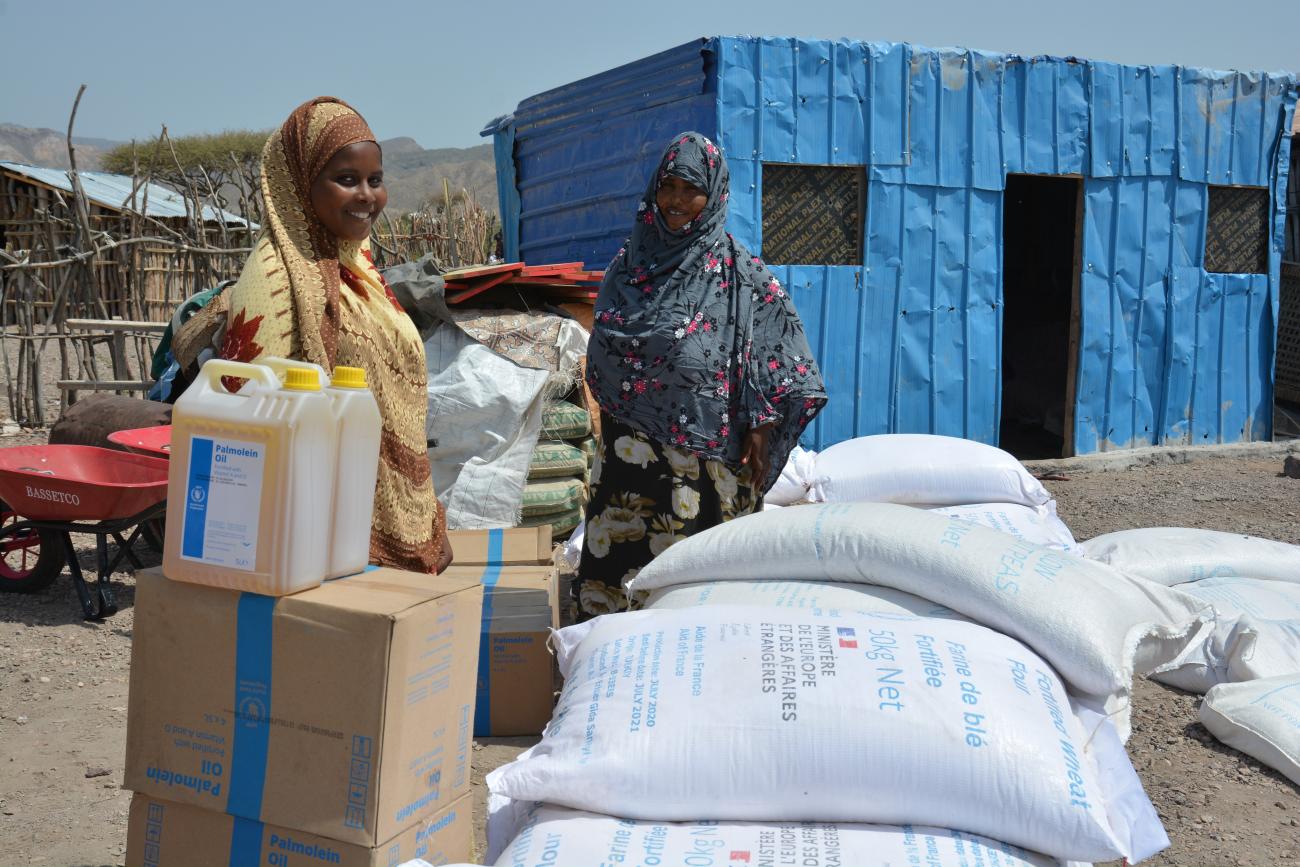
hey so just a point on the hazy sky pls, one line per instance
(437, 71)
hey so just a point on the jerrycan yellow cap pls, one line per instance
(300, 379)
(348, 377)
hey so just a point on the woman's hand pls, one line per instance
(444, 559)
(445, 554)
(754, 454)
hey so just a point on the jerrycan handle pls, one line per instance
(282, 365)
(215, 369)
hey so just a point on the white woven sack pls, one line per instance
(1037, 524)
(923, 470)
(570, 553)
(1256, 634)
(1177, 555)
(1260, 718)
(572, 838)
(821, 596)
(751, 714)
(1275, 649)
(796, 478)
(1095, 625)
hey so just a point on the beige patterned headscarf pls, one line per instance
(305, 294)
(292, 278)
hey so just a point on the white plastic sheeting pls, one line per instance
(485, 414)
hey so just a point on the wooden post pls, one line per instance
(117, 352)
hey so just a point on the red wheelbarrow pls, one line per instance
(49, 492)
(152, 441)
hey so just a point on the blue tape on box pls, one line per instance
(491, 574)
(252, 705)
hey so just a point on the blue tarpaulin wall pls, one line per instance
(911, 340)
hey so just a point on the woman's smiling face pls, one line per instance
(349, 193)
(679, 201)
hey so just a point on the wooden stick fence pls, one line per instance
(457, 231)
(64, 256)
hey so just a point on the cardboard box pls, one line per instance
(345, 711)
(516, 670)
(517, 546)
(167, 834)
(515, 590)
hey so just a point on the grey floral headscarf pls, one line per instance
(694, 340)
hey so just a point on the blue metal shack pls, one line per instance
(1086, 250)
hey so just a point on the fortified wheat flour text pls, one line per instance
(752, 714)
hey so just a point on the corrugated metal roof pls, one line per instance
(114, 191)
(613, 125)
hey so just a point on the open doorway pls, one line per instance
(1041, 219)
(1286, 368)
(1286, 377)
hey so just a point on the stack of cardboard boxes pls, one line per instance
(333, 726)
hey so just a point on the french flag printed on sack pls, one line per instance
(739, 857)
(848, 637)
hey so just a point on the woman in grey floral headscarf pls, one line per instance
(702, 371)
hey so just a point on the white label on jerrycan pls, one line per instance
(223, 502)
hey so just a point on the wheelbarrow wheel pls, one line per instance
(31, 559)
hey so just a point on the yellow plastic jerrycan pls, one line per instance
(248, 502)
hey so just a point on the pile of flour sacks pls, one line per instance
(909, 662)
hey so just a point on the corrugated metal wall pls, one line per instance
(1171, 353)
(582, 152)
(911, 340)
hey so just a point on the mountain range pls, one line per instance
(414, 174)
(45, 147)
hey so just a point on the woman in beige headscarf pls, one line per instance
(310, 291)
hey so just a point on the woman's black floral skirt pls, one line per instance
(645, 496)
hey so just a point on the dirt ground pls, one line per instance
(63, 695)
(1219, 807)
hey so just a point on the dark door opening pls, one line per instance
(1040, 273)
(1286, 376)
(1286, 367)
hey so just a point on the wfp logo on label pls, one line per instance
(252, 709)
(197, 494)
